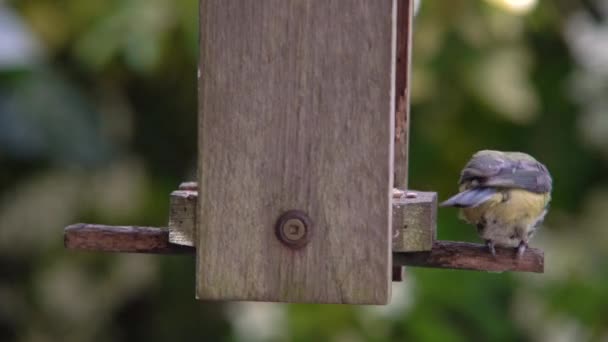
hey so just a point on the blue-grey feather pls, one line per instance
(470, 198)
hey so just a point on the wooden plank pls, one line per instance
(405, 19)
(405, 16)
(182, 217)
(296, 113)
(470, 256)
(414, 221)
(414, 218)
(121, 239)
(445, 254)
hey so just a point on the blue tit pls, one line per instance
(505, 195)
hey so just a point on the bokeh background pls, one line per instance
(98, 124)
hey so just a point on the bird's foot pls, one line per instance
(491, 248)
(521, 249)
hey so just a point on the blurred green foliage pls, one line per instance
(98, 123)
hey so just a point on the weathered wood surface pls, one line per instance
(182, 229)
(414, 221)
(121, 239)
(182, 217)
(296, 113)
(414, 218)
(405, 18)
(445, 254)
(470, 256)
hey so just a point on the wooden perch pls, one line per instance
(444, 254)
(475, 257)
(121, 239)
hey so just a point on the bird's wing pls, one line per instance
(502, 172)
(483, 165)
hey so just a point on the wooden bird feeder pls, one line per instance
(303, 130)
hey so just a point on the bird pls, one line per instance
(506, 195)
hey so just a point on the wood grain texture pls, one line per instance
(182, 217)
(470, 256)
(121, 239)
(296, 112)
(414, 221)
(405, 18)
(182, 214)
(445, 254)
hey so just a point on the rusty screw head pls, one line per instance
(294, 229)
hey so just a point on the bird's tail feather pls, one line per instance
(469, 198)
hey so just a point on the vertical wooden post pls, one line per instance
(405, 18)
(296, 125)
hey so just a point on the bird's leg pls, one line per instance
(506, 196)
(490, 245)
(521, 249)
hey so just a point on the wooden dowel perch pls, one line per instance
(122, 239)
(471, 256)
(444, 254)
